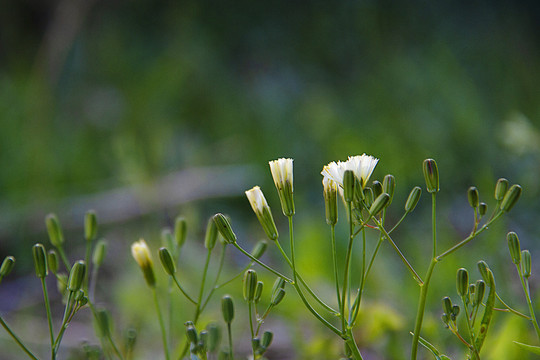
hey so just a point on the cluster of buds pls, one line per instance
(206, 341)
(522, 259)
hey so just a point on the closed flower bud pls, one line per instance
(500, 189)
(224, 227)
(52, 261)
(227, 308)
(379, 204)
(203, 340)
(277, 296)
(278, 284)
(267, 338)
(480, 291)
(368, 196)
(262, 211)
(131, 339)
(7, 266)
(513, 246)
(259, 249)
(511, 198)
(78, 295)
(76, 276)
(445, 318)
(258, 292)
(192, 335)
(167, 239)
(377, 188)
(255, 343)
(211, 235)
(330, 189)
(447, 305)
(180, 230)
(431, 175)
(526, 263)
(40, 260)
(462, 282)
(348, 185)
(413, 198)
(90, 225)
(104, 322)
(61, 283)
(472, 195)
(250, 285)
(99, 252)
(142, 256)
(482, 209)
(167, 261)
(83, 300)
(455, 311)
(389, 185)
(472, 291)
(54, 230)
(214, 336)
(483, 268)
(282, 173)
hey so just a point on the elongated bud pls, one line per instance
(52, 261)
(348, 185)
(389, 185)
(76, 276)
(431, 175)
(224, 227)
(455, 312)
(462, 282)
(259, 249)
(330, 190)
(368, 196)
(90, 225)
(526, 263)
(258, 291)
(513, 246)
(214, 336)
(250, 285)
(277, 296)
(501, 188)
(262, 211)
(203, 340)
(445, 318)
(167, 261)
(282, 173)
(377, 188)
(471, 292)
(142, 256)
(413, 198)
(480, 291)
(266, 339)
(180, 230)
(103, 318)
(447, 305)
(192, 335)
(56, 236)
(380, 203)
(482, 209)
(227, 308)
(40, 260)
(99, 252)
(483, 268)
(279, 283)
(83, 300)
(255, 344)
(511, 198)
(7, 266)
(211, 235)
(472, 195)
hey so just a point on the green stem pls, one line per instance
(470, 329)
(218, 274)
(334, 258)
(175, 279)
(87, 262)
(16, 339)
(358, 300)
(346, 271)
(509, 309)
(201, 290)
(526, 289)
(250, 310)
(48, 309)
(231, 356)
(262, 264)
(352, 345)
(161, 324)
(247, 267)
(434, 222)
(65, 321)
(64, 258)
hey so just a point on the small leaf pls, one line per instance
(530, 348)
(436, 353)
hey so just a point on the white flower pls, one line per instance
(282, 172)
(142, 256)
(256, 199)
(361, 165)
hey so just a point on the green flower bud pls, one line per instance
(167, 261)
(462, 282)
(330, 189)
(482, 209)
(90, 225)
(61, 283)
(82, 301)
(513, 246)
(267, 338)
(278, 284)
(258, 292)
(431, 175)
(255, 343)
(259, 249)
(203, 340)
(99, 252)
(526, 263)
(447, 305)
(192, 335)
(500, 188)
(103, 318)
(78, 294)
(277, 296)
(379, 204)
(52, 261)
(511, 198)
(214, 336)
(445, 318)
(142, 256)
(7, 266)
(227, 308)
(282, 173)
(389, 185)
(455, 312)
(189, 322)
(413, 198)
(368, 196)
(470, 297)
(56, 236)
(348, 185)
(483, 268)
(131, 339)
(480, 291)
(180, 230)
(224, 227)
(167, 239)
(472, 195)
(250, 285)
(76, 276)
(211, 234)
(262, 211)
(40, 260)
(377, 188)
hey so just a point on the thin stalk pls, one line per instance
(201, 290)
(250, 310)
(108, 336)
(511, 310)
(261, 319)
(358, 300)
(65, 321)
(334, 258)
(277, 273)
(161, 324)
(346, 271)
(247, 267)
(526, 289)
(175, 279)
(92, 285)
(218, 274)
(351, 343)
(17, 340)
(48, 309)
(87, 262)
(64, 258)
(231, 356)
(434, 222)
(470, 329)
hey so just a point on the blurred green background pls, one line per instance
(143, 110)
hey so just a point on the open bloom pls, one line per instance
(361, 165)
(142, 256)
(262, 210)
(282, 173)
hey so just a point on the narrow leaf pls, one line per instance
(530, 348)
